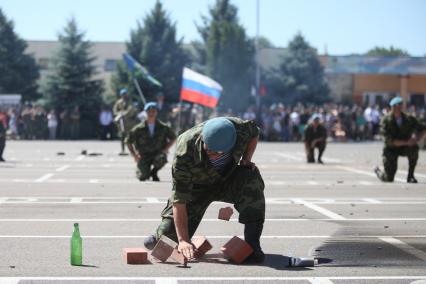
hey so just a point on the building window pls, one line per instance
(43, 63)
(110, 65)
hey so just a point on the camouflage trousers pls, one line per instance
(2, 145)
(143, 171)
(244, 189)
(310, 155)
(390, 160)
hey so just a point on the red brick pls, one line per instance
(163, 249)
(236, 250)
(135, 256)
(225, 213)
(202, 246)
(178, 257)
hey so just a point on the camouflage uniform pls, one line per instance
(391, 131)
(150, 148)
(312, 134)
(125, 117)
(197, 183)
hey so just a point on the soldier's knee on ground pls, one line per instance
(142, 175)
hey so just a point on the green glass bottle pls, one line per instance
(76, 247)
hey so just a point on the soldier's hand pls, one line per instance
(248, 164)
(187, 249)
(137, 158)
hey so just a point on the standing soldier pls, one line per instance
(27, 115)
(163, 109)
(149, 143)
(213, 163)
(75, 123)
(315, 137)
(2, 140)
(125, 116)
(401, 132)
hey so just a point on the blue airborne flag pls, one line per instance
(133, 66)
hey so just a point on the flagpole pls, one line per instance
(138, 88)
(257, 59)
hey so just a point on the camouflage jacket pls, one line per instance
(311, 133)
(391, 131)
(145, 144)
(192, 169)
(124, 109)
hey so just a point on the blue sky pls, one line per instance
(340, 26)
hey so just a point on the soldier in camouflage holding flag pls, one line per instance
(125, 116)
(402, 133)
(213, 163)
(149, 143)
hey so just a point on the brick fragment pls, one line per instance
(178, 257)
(163, 249)
(135, 256)
(236, 250)
(202, 245)
(225, 213)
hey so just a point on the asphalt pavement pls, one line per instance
(360, 230)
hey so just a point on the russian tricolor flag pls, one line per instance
(199, 89)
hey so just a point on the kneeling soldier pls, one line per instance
(149, 143)
(401, 132)
(213, 163)
(315, 137)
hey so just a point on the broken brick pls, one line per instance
(202, 245)
(236, 250)
(163, 249)
(178, 257)
(135, 256)
(225, 213)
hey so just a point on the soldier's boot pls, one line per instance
(154, 174)
(379, 174)
(319, 158)
(252, 233)
(410, 177)
(150, 242)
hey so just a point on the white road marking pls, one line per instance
(81, 157)
(44, 178)
(371, 174)
(111, 160)
(372, 200)
(319, 209)
(153, 200)
(415, 174)
(200, 279)
(289, 156)
(63, 168)
(320, 280)
(166, 280)
(46, 159)
(206, 220)
(311, 182)
(217, 237)
(76, 200)
(94, 181)
(405, 247)
(363, 182)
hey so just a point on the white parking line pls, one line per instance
(211, 279)
(289, 156)
(319, 209)
(317, 280)
(166, 280)
(218, 237)
(76, 200)
(372, 200)
(63, 168)
(81, 157)
(405, 247)
(357, 171)
(44, 178)
(94, 181)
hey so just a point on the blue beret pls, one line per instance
(395, 101)
(150, 105)
(219, 134)
(123, 91)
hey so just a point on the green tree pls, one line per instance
(300, 77)
(71, 80)
(228, 54)
(154, 44)
(383, 51)
(18, 71)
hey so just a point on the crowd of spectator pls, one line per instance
(277, 122)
